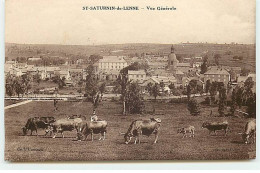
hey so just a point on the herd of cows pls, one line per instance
(137, 128)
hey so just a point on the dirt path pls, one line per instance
(17, 104)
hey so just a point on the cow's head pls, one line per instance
(80, 136)
(49, 129)
(24, 130)
(205, 125)
(128, 137)
(180, 130)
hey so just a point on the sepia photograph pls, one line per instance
(129, 80)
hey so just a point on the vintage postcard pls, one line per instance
(112, 80)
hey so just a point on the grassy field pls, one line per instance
(170, 145)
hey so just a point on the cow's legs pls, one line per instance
(54, 135)
(104, 135)
(62, 134)
(156, 138)
(100, 136)
(92, 137)
(183, 135)
(135, 139)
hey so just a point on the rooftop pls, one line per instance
(216, 71)
(136, 72)
(113, 59)
(183, 64)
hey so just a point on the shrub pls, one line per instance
(194, 107)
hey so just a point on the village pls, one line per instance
(47, 74)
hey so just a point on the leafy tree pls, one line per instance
(18, 86)
(37, 78)
(9, 87)
(180, 58)
(156, 90)
(149, 88)
(26, 80)
(249, 83)
(162, 85)
(194, 107)
(208, 85)
(102, 89)
(123, 82)
(216, 58)
(213, 91)
(172, 88)
(222, 101)
(188, 92)
(233, 102)
(251, 106)
(239, 96)
(94, 58)
(59, 81)
(91, 87)
(204, 66)
(245, 72)
(248, 93)
(134, 66)
(134, 99)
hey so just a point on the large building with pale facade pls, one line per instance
(112, 63)
(217, 75)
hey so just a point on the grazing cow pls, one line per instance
(184, 131)
(37, 122)
(65, 124)
(213, 127)
(90, 128)
(250, 131)
(143, 127)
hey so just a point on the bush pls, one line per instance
(194, 107)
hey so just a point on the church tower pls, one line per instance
(172, 61)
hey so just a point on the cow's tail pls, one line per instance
(228, 129)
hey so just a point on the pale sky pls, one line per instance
(64, 22)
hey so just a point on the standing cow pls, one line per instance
(64, 124)
(250, 131)
(91, 128)
(37, 123)
(213, 127)
(143, 127)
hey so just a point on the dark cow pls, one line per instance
(250, 131)
(37, 123)
(65, 124)
(143, 127)
(213, 127)
(90, 128)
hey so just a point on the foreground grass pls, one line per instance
(170, 145)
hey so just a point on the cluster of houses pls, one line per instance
(71, 75)
(166, 69)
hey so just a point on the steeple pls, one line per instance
(172, 49)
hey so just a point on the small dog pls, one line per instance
(184, 131)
